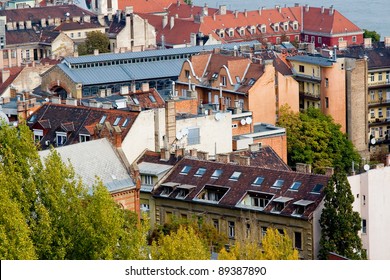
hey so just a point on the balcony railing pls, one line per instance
(381, 101)
(309, 95)
(378, 121)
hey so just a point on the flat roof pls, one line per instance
(317, 60)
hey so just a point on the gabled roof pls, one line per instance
(94, 159)
(236, 190)
(48, 36)
(148, 6)
(14, 72)
(76, 119)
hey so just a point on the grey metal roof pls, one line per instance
(153, 168)
(124, 72)
(282, 199)
(317, 60)
(303, 202)
(151, 53)
(95, 158)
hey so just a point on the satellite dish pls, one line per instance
(179, 135)
(218, 116)
(184, 131)
(248, 120)
(373, 141)
(243, 122)
(366, 167)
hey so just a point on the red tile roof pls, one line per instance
(147, 99)
(147, 6)
(14, 72)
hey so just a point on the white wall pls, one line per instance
(140, 136)
(215, 136)
(373, 204)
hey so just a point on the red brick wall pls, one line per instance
(277, 143)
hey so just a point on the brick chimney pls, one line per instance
(203, 155)
(164, 154)
(303, 168)
(329, 171)
(179, 152)
(194, 153)
(118, 136)
(223, 158)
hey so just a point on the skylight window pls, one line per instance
(251, 81)
(317, 188)
(185, 170)
(258, 181)
(235, 176)
(278, 184)
(125, 122)
(295, 186)
(215, 75)
(117, 120)
(151, 97)
(200, 172)
(103, 119)
(135, 99)
(216, 174)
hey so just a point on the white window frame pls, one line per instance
(61, 138)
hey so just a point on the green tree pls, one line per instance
(339, 223)
(372, 34)
(275, 246)
(183, 244)
(48, 214)
(315, 138)
(95, 40)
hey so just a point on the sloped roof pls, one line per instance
(237, 189)
(377, 57)
(14, 72)
(25, 36)
(48, 36)
(188, 11)
(93, 159)
(147, 99)
(147, 6)
(76, 25)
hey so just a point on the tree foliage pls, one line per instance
(183, 244)
(48, 214)
(95, 40)
(315, 138)
(372, 34)
(339, 223)
(275, 246)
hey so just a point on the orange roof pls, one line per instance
(13, 73)
(147, 6)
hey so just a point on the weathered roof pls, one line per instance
(95, 159)
(316, 60)
(236, 189)
(377, 57)
(153, 168)
(147, 6)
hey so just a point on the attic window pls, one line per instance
(300, 207)
(182, 193)
(235, 176)
(135, 99)
(216, 174)
(215, 75)
(251, 82)
(151, 97)
(103, 119)
(238, 80)
(125, 122)
(278, 184)
(317, 188)
(255, 200)
(280, 203)
(295, 186)
(212, 194)
(33, 119)
(263, 28)
(200, 172)
(166, 191)
(258, 181)
(117, 120)
(185, 170)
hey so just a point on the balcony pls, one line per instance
(378, 103)
(306, 78)
(309, 95)
(379, 84)
(378, 121)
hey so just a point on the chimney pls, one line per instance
(223, 158)
(237, 107)
(178, 3)
(254, 147)
(246, 161)
(107, 105)
(164, 21)
(56, 100)
(118, 136)
(95, 52)
(367, 43)
(5, 75)
(303, 168)
(205, 10)
(193, 39)
(76, 54)
(203, 155)
(331, 10)
(214, 17)
(307, 8)
(21, 25)
(28, 24)
(129, 10)
(322, 9)
(57, 21)
(236, 14)
(50, 22)
(179, 152)
(145, 87)
(387, 41)
(388, 160)
(164, 154)
(172, 22)
(43, 22)
(133, 87)
(222, 9)
(194, 153)
(76, 19)
(71, 101)
(329, 171)
(108, 91)
(87, 18)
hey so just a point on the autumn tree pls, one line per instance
(183, 244)
(339, 223)
(275, 246)
(95, 40)
(47, 213)
(315, 138)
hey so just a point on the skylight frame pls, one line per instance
(235, 176)
(186, 169)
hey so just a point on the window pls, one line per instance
(234, 125)
(364, 226)
(216, 174)
(372, 95)
(238, 80)
(144, 207)
(298, 240)
(354, 39)
(102, 120)
(71, 35)
(306, 38)
(248, 230)
(151, 97)
(38, 135)
(212, 194)
(297, 38)
(187, 73)
(278, 207)
(380, 131)
(185, 170)
(380, 76)
(231, 229)
(79, 34)
(372, 77)
(380, 114)
(235, 176)
(223, 81)
(84, 137)
(216, 224)
(341, 39)
(278, 184)
(182, 193)
(258, 181)
(301, 68)
(276, 28)
(295, 186)
(193, 136)
(317, 188)
(125, 122)
(116, 122)
(372, 113)
(200, 172)
(148, 180)
(313, 39)
(380, 94)
(242, 32)
(263, 28)
(231, 33)
(263, 231)
(166, 191)
(319, 40)
(260, 202)
(387, 76)
(278, 40)
(61, 138)
(326, 102)
(295, 26)
(326, 82)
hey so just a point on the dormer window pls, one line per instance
(125, 122)
(215, 75)
(242, 31)
(116, 122)
(212, 194)
(263, 28)
(231, 32)
(151, 97)
(38, 135)
(84, 138)
(221, 33)
(295, 25)
(276, 27)
(135, 100)
(103, 119)
(183, 191)
(61, 138)
(166, 191)
(280, 203)
(255, 199)
(285, 26)
(300, 207)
